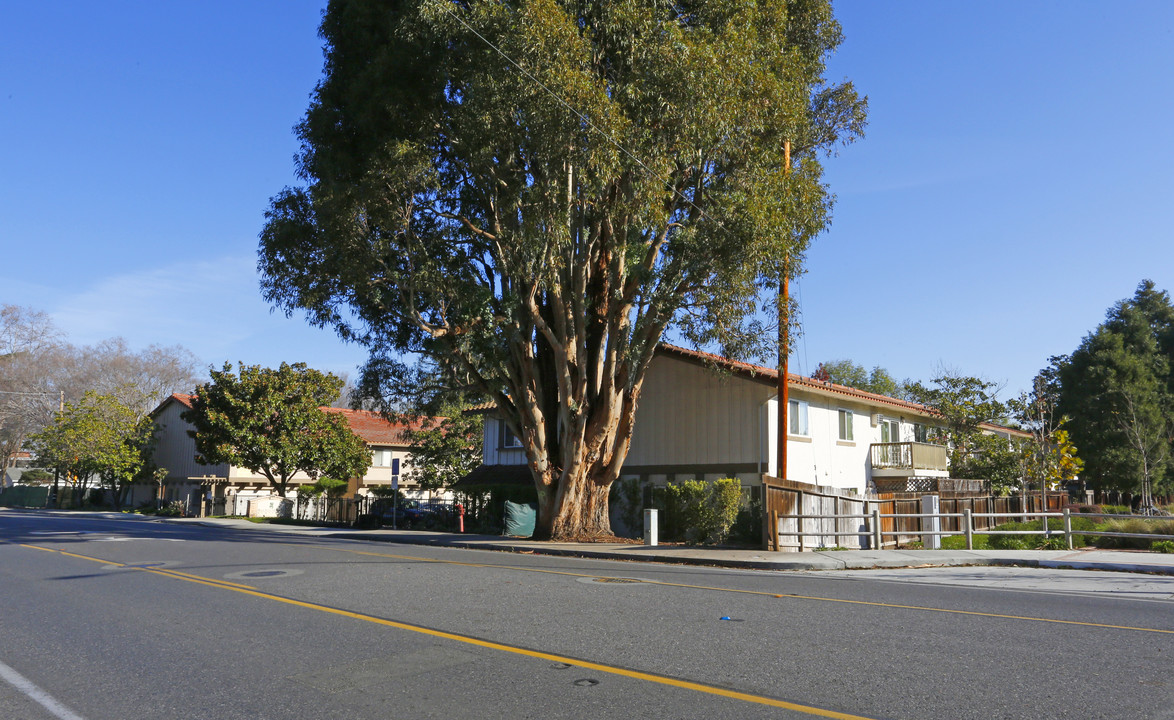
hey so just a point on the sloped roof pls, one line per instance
(770, 376)
(372, 427)
(181, 398)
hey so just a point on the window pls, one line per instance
(920, 433)
(508, 439)
(381, 458)
(796, 417)
(845, 424)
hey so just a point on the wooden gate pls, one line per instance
(811, 503)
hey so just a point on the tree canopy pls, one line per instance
(272, 423)
(1050, 458)
(964, 404)
(1117, 389)
(97, 437)
(39, 371)
(853, 374)
(28, 397)
(532, 193)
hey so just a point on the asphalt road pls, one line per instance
(121, 617)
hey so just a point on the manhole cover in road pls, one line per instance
(612, 580)
(267, 573)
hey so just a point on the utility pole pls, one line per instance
(784, 343)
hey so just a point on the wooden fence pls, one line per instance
(795, 507)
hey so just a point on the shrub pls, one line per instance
(177, 508)
(1041, 542)
(703, 512)
(958, 542)
(1133, 525)
(1163, 546)
(36, 476)
(627, 496)
(747, 526)
(1116, 510)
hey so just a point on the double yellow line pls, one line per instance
(176, 574)
(598, 667)
(469, 640)
(793, 596)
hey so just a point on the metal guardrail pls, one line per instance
(876, 534)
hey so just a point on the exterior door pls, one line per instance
(890, 433)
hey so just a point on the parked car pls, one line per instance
(408, 514)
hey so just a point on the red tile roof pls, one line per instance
(371, 426)
(376, 429)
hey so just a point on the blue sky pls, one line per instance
(1017, 177)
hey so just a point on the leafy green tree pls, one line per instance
(852, 374)
(272, 423)
(445, 448)
(531, 193)
(96, 437)
(991, 457)
(964, 404)
(1049, 458)
(1116, 388)
(36, 476)
(433, 405)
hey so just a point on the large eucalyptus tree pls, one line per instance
(532, 192)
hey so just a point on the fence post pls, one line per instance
(931, 516)
(876, 529)
(966, 518)
(799, 521)
(1068, 526)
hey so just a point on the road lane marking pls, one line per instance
(501, 647)
(159, 571)
(764, 593)
(37, 695)
(200, 577)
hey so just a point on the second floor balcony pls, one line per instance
(908, 459)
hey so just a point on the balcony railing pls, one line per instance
(908, 456)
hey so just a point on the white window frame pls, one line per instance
(841, 415)
(924, 434)
(798, 425)
(381, 457)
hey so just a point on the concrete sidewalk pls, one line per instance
(1091, 559)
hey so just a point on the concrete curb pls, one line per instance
(729, 558)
